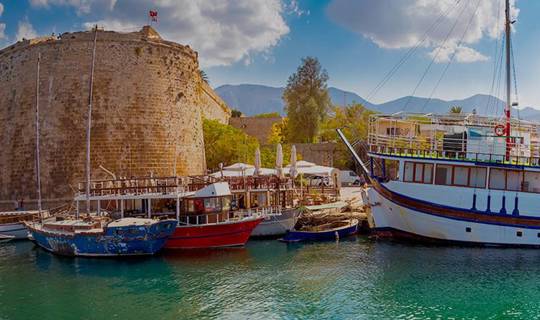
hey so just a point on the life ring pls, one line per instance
(500, 130)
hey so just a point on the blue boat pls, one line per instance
(100, 237)
(325, 232)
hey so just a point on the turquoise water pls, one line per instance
(352, 279)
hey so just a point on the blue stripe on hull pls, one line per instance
(443, 207)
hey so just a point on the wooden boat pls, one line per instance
(12, 223)
(329, 231)
(203, 209)
(276, 223)
(207, 221)
(101, 237)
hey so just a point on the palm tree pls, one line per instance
(203, 75)
(456, 109)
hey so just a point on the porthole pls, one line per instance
(519, 233)
(468, 229)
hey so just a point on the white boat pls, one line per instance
(6, 238)
(12, 223)
(458, 178)
(276, 223)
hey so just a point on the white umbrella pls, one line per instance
(257, 162)
(293, 171)
(279, 160)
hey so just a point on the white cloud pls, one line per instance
(25, 30)
(222, 31)
(82, 7)
(294, 8)
(461, 54)
(402, 24)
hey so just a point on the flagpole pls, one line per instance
(38, 173)
(89, 124)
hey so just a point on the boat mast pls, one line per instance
(89, 124)
(508, 80)
(38, 174)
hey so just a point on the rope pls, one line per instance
(495, 63)
(514, 73)
(497, 108)
(409, 53)
(434, 57)
(452, 57)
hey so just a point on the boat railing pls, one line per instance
(178, 185)
(477, 157)
(262, 211)
(258, 183)
(461, 137)
(138, 185)
(217, 218)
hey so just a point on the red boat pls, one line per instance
(227, 234)
(207, 221)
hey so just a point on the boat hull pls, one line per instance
(297, 236)
(399, 217)
(136, 240)
(17, 230)
(230, 234)
(276, 225)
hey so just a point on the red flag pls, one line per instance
(153, 15)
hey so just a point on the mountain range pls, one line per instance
(252, 99)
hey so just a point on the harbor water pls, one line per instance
(351, 279)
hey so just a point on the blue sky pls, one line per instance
(356, 41)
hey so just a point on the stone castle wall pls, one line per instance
(147, 111)
(213, 107)
(260, 128)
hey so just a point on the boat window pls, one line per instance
(195, 206)
(513, 180)
(477, 177)
(190, 207)
(443, 174)
(418, 172)
(428, 173)
(212, 204)
(226, 203)
(409, 172)
(461, 176)
(497, 179)
(531, 181)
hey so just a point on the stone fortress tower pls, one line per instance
(148, 105)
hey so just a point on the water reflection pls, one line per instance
(353, 278)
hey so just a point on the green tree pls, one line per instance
(268, 115)
(227, 144)
(268, 155)
(353, 120)
(306, 101)
(236, 113)
(456, 110)
(204, 76)
(279, 132)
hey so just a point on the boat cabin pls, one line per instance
(464, 150)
